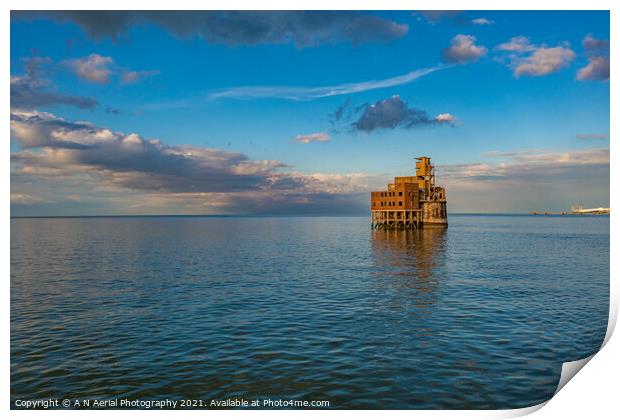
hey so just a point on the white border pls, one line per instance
(593, 394)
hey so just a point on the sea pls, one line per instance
(480, 315)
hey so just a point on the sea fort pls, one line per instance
(411, 202)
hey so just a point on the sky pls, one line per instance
(285, 113)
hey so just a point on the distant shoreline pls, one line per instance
(567, 213)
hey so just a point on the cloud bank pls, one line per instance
(518, 180)
(236, 28)
(67, 161)
(528, 164)
(130, 160)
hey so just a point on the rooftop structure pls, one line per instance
(411, 202)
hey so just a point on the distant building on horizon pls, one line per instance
(411, 202)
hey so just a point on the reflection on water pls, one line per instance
(412, 252)
(411, 263)
(480, 315)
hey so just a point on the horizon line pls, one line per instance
(477, 213)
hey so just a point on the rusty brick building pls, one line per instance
(411, 202)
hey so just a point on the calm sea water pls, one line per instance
(480, 315)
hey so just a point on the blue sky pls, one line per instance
(228, 114)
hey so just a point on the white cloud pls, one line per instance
(591, 43)
(132, 76)
(597, 69)
(99, 69)
(517, 44)
(527, 59)
(94, 68)
(481, 21)
(445, 118)
(463, 49)
(314, 137)
(545, 61)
